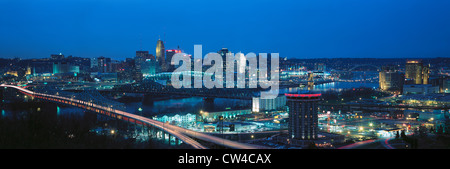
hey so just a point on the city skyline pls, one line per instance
(117, 30)
(259, 83)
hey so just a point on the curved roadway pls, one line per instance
(180, 133)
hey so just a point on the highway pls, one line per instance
(180, 133)
(383, 141)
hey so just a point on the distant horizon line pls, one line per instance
(280, 57)
(377, 57)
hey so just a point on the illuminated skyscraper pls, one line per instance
(223, 52)
(149, 67)
(303, 118)
(160, 54)
(141, 57)
(391, 79)
(425, 74)
(104, 64)
(417, 72)
(94, 63)
(169, 55)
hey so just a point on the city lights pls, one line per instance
(263, 75)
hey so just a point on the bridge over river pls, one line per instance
(185, 135)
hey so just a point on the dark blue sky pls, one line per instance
(297, 28)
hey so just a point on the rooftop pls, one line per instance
(304, 93)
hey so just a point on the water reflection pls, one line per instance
(333, 86)
(191, 105)
(194, 105)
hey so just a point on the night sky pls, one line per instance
(295, 29)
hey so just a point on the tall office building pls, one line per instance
(160, 54)
(94, 63)
(223, 52)
(390, 79)
(104, 64)
(303, 118)
(446, 85)
(425, 74)
(169, 54)
(149, 67)
(417, 72)
(141, 57)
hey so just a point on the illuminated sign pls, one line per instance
(303, 95)
(174, 50)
